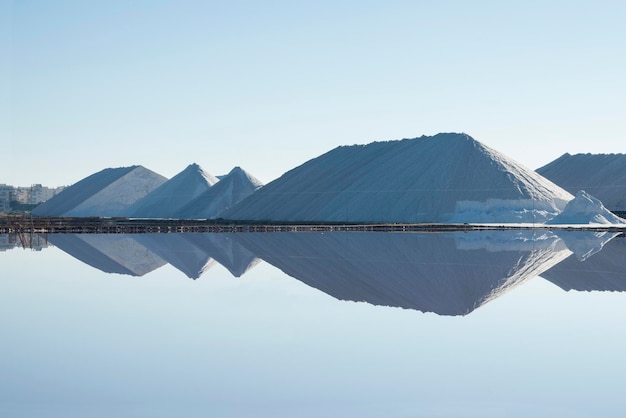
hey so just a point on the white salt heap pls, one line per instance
(444, 178)
(585, 209)
(167, 200)
(231, 189)
(106, 193)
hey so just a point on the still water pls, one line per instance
(478, 324)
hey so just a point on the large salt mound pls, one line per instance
(601, 175)
(444, 178)
(105, 193)
(231, 189)
(585, 209)
(170, 197)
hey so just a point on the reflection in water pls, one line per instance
(34, 242)
(449, 274)
(446, 273)
(604, 270)
(193, 254)
(110, 253)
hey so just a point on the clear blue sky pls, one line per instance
(268, 85)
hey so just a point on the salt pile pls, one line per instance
(231, 189)
(444, 178)
(601, 175)
(585, 209)
(171, 196)
(106, 193)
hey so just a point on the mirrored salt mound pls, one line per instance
(603, 270)
(584, 244)
(106, 193)
(447, 273)
(194, 254)
(138, 254)
(601, 175)
(444, 178)
(111, 253)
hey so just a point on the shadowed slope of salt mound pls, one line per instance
(231, 189)
(585, 209)
(601, 175)
(444, 178)
(446, 273)
(105, 193)
(602, 271)
(111, 253)
(170, 197)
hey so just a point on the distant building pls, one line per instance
(31, 195)
(37, 194)
(21, 194)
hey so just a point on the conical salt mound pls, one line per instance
(231, 189)
(601, 175)
(167, 200)
(444, 178)
(106, 193)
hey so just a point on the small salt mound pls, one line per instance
(106, 193)
(585, 209)
(230, 190)
(170, 197)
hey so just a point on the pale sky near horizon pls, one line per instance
(269, 85)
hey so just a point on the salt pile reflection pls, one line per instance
(445, 273)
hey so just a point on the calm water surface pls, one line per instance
(497, 324)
